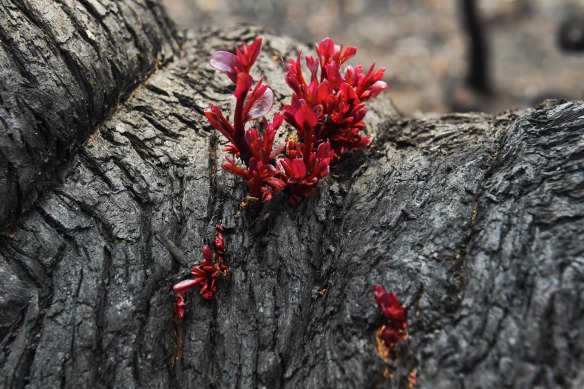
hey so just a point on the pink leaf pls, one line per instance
(226, 63)
(376, 89)
(262, 105)
(184, 286)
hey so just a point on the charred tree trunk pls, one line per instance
(63, 66)
(474, 220)
(477, 76)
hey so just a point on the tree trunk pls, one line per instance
(477, 74)
(63, 65)
(475, 221)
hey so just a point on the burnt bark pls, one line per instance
(474, 220)
(63, 65)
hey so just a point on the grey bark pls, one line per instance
(475, 221)
(63, 65)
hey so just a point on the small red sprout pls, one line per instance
(412, 379)
(337, 101)
(180, 306)
(205, 273)
(327, 112)
(395, 327)
(252, 147)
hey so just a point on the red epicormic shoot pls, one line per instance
(336, 100)
(206, 272)
(327, 112)
(395, 327)
(252, 147)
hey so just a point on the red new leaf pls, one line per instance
(395, 315)
(205, 273)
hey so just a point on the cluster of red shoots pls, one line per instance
(206, 272)
(327, 111)
(395, 327)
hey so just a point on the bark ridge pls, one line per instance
(63, 65)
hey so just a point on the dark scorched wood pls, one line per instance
(474, 220)
(63, 64)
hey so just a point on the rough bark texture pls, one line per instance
(474, 220)
(63, 64)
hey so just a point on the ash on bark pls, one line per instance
(474, 220)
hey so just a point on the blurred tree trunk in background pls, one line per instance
(478, 76)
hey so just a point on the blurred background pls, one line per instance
(441, 55)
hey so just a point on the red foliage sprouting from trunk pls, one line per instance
(396, 316)
(206, 272)
(327, 112)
